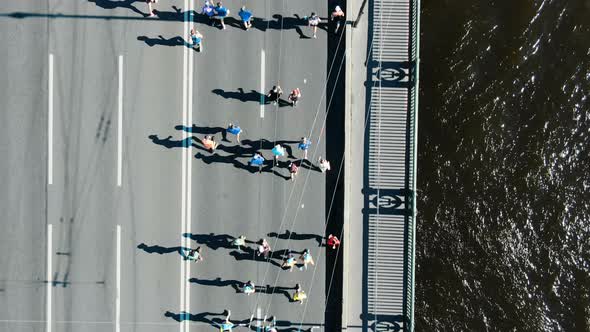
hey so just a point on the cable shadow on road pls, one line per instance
(161, 41)
(288, 235)
(212, 241)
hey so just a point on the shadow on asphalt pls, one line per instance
(161, 41)
(239, 285)
(161, 250)
(169, 143)
(288, 235)
(212, 241)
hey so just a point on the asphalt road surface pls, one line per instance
(103, 185)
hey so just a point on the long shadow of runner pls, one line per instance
(204, 318)
(169, 143)
(162, 250)
(174, 41)
(178, 15)
(232, 159)
(203, 130)
(250, 254)
(238, 285)
(264, 144)
(211, 240)
(108, 4)
(297, 236)
(218, 282)
(240, 95)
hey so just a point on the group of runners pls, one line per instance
(217, 13)
(264, 250)
(278, 151)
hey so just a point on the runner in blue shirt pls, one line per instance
(257, 160)
(209, 11)
(234, 130)
(196, 39)
(304, 145)
(221, 13)
(245, 15)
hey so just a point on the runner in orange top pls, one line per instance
(209, 143)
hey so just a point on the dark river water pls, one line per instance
(504, 167)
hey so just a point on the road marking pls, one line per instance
(258, 313)
(49, 278)
(118, 279)
(189, 173)
(262, 77)
(50, 122)
(183, 323)
(120, 125)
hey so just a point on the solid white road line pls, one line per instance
(50, 122)
(189, 171)
(120, 125)
(258, 313)
(262, 76)
(182, 325)
(118, 280)
(189, 159)
(49, 278)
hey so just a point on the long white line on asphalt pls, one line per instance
(262, 76)
(118, 280)
(49, 278)
(183, 323)
(50, 122)
(189, 172)
(120, 125)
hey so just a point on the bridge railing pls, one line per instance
(413, 143)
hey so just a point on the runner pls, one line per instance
(293, 169)
(263, 248)
(324, 165)
(304, 145)
(257, 160)
(149, 3)
(278, 151)
(246, 16)
(333, 241)
(249, 288)
(209, 143)
(227, 325)
(299, 295)
(239, 241)
(294, 96)
(306, 259)
(275, 94)
(221, 13)
(195, 255)
(289, 262)
(196, 39)
(337, 16)
(234, 130)
(209, 11)
(313, 21)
